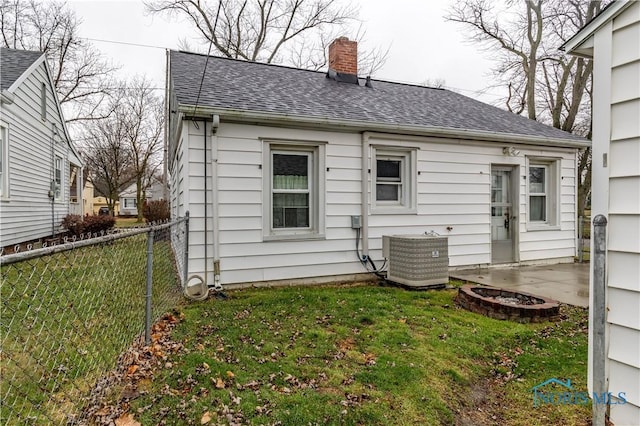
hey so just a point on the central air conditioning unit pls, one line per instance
(417, 260)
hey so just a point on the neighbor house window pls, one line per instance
(394, 178)
(130, 203)
(543, 190)
(294, 190)
(57, 178)
(4, 156)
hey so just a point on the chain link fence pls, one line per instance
(584, 238)
(70, 310)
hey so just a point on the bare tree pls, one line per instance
(142, 112)
(524, 37)
(295, 32)
(108, 161)
(80, 75)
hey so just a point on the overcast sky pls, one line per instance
(423, 46)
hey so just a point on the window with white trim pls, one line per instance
(57, 179)
(294, 190)
(130, 203)
(394, 180)
(542, 192)
(4, 164)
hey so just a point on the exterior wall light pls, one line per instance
(510, 151)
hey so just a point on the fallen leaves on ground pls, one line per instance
(133, 374)
(127, 420)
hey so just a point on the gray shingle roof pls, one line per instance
(256, 87)
(13, 63)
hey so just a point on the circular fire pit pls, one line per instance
(507, 305)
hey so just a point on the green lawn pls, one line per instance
(128, 222)
(359, 355)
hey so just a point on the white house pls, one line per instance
(612, 39)
(40, 170)
(128, 203)
(274, 163)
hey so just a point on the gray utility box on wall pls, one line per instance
(417, 260)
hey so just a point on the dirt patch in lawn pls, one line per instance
(481, 405)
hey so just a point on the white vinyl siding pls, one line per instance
(616, 134)
(33, 145)
(623, 248)
(452, 190)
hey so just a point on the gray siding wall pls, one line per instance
(26, 211)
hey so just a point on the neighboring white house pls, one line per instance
(40, 170)
(274, 162)
(128, 204)
(612, 39)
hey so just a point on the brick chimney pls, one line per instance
(343, 60)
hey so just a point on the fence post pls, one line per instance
(185, 265)
(147, 319)
(599, 319)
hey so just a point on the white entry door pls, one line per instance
(503, 225)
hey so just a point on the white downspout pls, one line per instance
(214, 191)
(365, 194)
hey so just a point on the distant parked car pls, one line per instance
(103, 211)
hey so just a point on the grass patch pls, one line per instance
(360, 355)
(128, 222)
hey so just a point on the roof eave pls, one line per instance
(574, 45)
(360, 126)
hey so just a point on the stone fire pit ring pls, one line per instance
(507, 304)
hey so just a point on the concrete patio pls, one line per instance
(567, 283)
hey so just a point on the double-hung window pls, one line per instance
(294, 190)
(542, 192)
(394, 180)
(389, 177)
(291, 189)
(538, 193)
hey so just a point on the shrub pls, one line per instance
(77, 225)
(73, 223)
(96, 223)
(156, 211)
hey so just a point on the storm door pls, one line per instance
(503, 224)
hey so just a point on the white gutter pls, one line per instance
(361, 126)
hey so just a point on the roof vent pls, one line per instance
(368, 82)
